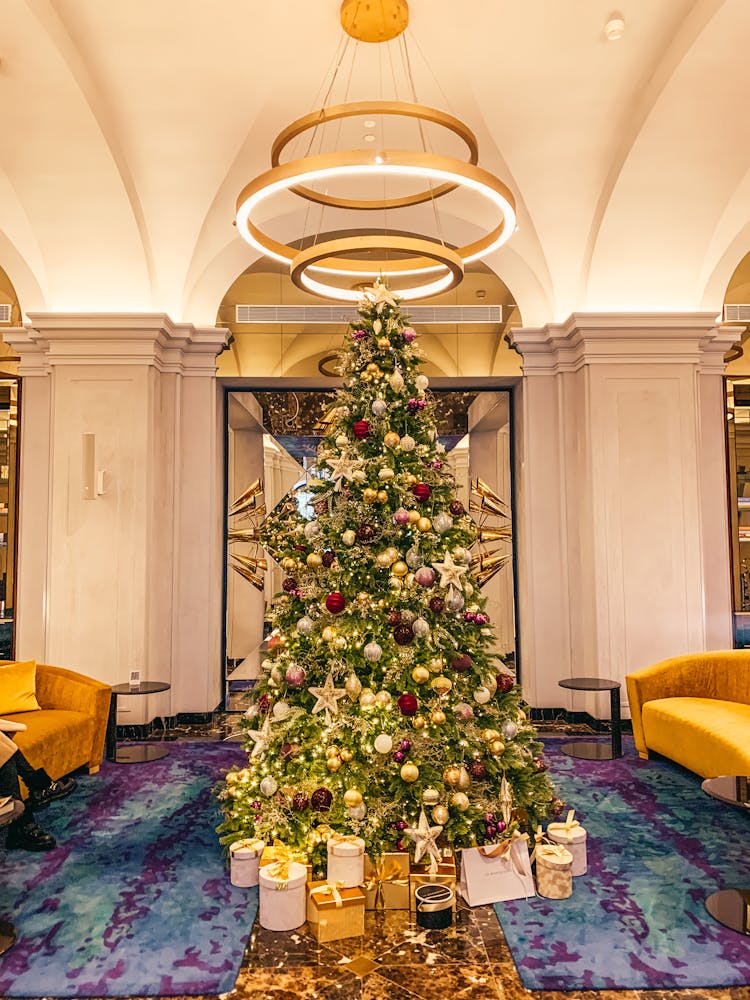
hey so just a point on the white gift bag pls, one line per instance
(496, 872)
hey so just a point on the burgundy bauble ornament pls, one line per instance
(407, 704)
(457, 509)
(461, 662)
(335, 602)
(437, 604)
(557, 807)
(300, 802)
(320, 506)
(481, 619)
(401, 824)
(403, 635)
(400, 847)
(504, 683)
(289, 750)
(500, 826)
(405, 746)
(289, 584)
(490, 829)
(366, 532)
(321, 799)
(477, 770)
(361, 430)
(394, 617)
(328, 558)
(540, 764)
(399, 756)
(264, 703)
(421, 491)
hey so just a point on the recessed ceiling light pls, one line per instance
(369, 123)
(369, 137)
(378, 158)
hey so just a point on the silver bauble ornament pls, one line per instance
(269, 785)
(455, 600)
(311, 529)
(407, 443)
(305, 625)
(509, 730)
(442, 522)
(358, 812)
(482, 696)
(281, 710)
(383, 743)
(379, 406)
(420, 627)
(441, 815)
(413, 558)
(373, 651)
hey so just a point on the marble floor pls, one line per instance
(395, 959)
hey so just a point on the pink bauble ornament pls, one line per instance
(409, 334)
(295, 675)
(425, 576)
(401, 516)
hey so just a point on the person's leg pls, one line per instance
(42, 789)
(23, 833)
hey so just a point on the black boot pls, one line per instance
(25, 835)
(41, 798)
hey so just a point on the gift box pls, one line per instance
(280, 852)
(573, 836)
(346, 860)
(435, 906)
(283, 904)
(386, 885)
(495, 873)
(244, 856)
(335, 912)
(554, 878)
(427, 873)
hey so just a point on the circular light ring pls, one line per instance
(400, 109)
(419, 248)
(359, 162)
(374, 22)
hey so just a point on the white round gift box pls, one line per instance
(574, 838)
(346, 861)
(283, 902)
(244, 856)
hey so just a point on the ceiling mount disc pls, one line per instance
(374, 20)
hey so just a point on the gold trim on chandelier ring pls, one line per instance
(359, 162)
(311, 257)
(402, 109)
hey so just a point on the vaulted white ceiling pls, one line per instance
(130, 126)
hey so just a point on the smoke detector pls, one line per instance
(614, 29)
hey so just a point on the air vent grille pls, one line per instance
(334, 315)
(5, 308)
(737, 312)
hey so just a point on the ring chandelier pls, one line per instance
(429, 266)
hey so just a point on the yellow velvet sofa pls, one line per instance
(695, 709)
(69, 729)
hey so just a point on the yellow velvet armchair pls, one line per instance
(695, 709)
(69, 729)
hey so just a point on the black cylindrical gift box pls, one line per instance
(434, 906)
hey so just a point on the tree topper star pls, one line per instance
(342, 468)
(328, 697)
(260, 737)
(424, 836)
(380, 295)
(450, 572)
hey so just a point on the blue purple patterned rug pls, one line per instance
(657, 846)
(135, 900)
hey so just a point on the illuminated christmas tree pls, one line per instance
(382, 711)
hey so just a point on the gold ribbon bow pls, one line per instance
(544, 848)
(339, 838)
(567, 827)
(283, 856)
(379, 877)
(333, 889)
(249, 844)
(497, 850)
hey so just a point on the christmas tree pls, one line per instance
(382, 711)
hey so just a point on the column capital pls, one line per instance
(152, 339)
(625, 338)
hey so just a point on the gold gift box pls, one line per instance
(420, 874)
(331, 918)
(387, 885)
(270, 854)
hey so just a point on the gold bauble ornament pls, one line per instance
(231, 778)
(328, 633)
(332, 751)
(451, 776)
(460, 800)
(340, 642)
(399, 568)
(352, 798)
(430, 796)
(382, 496)
(436, 664)
(367, 698)
(392, 553)
(420, 674)
(418, 722)
(464, 779)
(395, 583)
(352, 686)
(437, 716)
(346, 755)
(386, 474)
(288, 563)
(383, 560)
(383, 343)
(414, 515)
(333, 764)
(441, 684)
(409, 772)
(424, 524)
(372, 368)
(383, 699)
(497, 747)
(441, 815)
(391, 439)
(488, 735)
(348, 537)
(369, 495)
(314, 560)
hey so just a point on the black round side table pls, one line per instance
(586, 749)
(730, 907)
(132, 753)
